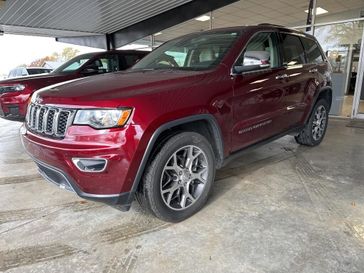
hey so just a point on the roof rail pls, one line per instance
(268, 24)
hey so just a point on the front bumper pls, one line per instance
(64, 181)
(54, 160)
(11, 112)
(13, 106)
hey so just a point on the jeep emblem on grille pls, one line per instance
(38, 100)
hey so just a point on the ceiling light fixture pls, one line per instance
(203, 18)
(158, 33)
(319, 11)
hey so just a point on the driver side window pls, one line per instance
(260, 53)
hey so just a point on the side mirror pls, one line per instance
(238, 69)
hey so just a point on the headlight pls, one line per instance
(102, 118)
(11, 88)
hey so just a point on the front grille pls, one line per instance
(49, 120)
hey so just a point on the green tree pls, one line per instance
(68, 53)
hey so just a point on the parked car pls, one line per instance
(26, 71)
(160, 130)
(15, 93)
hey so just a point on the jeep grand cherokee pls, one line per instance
(160, 130)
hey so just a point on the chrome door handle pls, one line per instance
(281, 77)
(313, 70)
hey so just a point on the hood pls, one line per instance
(114, 86)
(30, 78)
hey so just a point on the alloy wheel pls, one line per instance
(319, 123)
(184, 177)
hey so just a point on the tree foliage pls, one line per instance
(66, 54)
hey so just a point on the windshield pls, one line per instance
(198, 52)
(73, 64)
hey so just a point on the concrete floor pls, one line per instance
(281, 208)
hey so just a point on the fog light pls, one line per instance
(90, 165)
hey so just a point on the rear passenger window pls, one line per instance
(261, 52)
(313, 52)
(130, 60)
(293, 52)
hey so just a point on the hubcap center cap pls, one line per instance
(185, 176)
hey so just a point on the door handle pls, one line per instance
(218, 104)
(313, 70)
(281, 76)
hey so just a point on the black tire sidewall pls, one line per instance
(157, 204)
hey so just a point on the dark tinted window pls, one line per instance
(130, 60)
(293, 52)
(34, 71)
(104, 64)
(313, 52)
(261, 52)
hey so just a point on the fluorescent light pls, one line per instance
(133, 46)
(319, 11)
(203, 18)
(158, 33)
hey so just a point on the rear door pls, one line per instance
(316, 68)
(257, 93)
(296, 79)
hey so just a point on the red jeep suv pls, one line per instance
(159, 130)
(15, 92)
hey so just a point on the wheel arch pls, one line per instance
(323, 93)
(204, 124)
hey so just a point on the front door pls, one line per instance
(257, 91)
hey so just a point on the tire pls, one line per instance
(315, 128)
(173, 187)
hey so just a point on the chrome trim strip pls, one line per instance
(75, 160)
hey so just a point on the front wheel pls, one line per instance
(315, 129)
(179, 178)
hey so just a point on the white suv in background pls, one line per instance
(26, 71)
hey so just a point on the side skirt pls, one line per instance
(246, 150)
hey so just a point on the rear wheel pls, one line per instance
(178, 180)
(315, 129)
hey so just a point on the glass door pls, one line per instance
(341, 43)
(358, 103)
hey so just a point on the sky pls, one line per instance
(16, 50)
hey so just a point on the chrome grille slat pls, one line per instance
(49, 120)
(55, 122)
(37, 112)
(32, 117)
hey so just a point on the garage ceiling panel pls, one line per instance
(87, 16)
